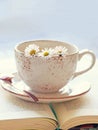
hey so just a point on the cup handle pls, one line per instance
(81, 54)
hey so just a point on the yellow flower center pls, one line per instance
(59, 51)
(46, 53)
(32, 52)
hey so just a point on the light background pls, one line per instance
(75, 21)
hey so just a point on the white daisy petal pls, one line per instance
(60, 50)
(46, 52)
(31, 50)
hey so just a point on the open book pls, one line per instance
(17, 114)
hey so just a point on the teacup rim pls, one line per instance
(46, 40)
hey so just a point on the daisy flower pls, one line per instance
(46, 52)
(60, 50)
(31, 50)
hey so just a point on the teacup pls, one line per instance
(49, 65)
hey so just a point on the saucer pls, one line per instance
(16, 87)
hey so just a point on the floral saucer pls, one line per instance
(15, 86)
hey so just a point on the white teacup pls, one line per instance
(50, 73)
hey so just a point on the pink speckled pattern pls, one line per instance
(48, 74)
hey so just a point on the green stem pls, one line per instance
(51, 106)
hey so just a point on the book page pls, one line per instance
(86, 105)
(13, 104)
(14, 110)
(18, 113)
